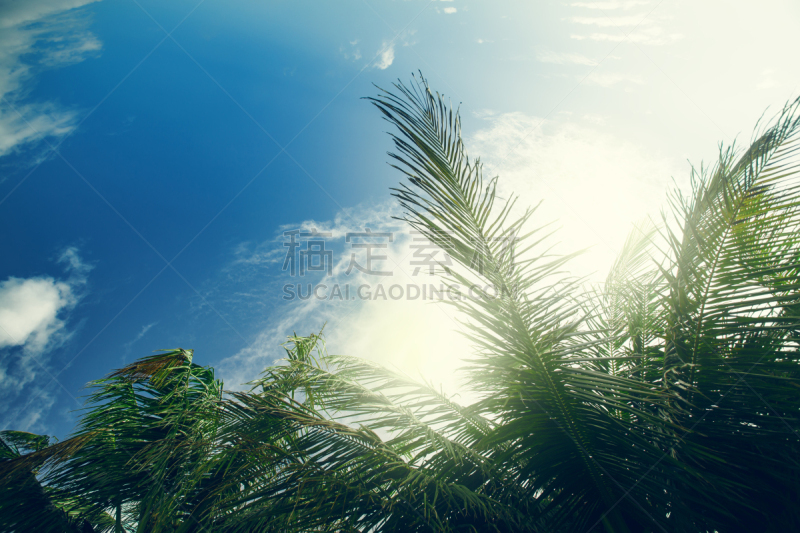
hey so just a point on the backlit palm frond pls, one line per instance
(624, 312)
(532, 337)
(734, 315)
(143, 429)
(303, 472)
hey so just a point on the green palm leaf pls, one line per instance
(558, 417)
(732, 334)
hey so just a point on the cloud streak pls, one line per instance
(36, 35)
(654, 36)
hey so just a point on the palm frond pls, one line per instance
(533, 337)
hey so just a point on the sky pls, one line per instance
(180, 174)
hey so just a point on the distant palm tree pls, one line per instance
(665, 400)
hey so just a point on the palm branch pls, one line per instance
(580, 437)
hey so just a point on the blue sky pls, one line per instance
(152, 154)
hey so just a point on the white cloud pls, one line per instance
(37, 34)
(450, 10)
(29, 309)
(17, 13)
(26, 123)
(66, 52)
(653, 36)
(386, 56)
(33, 318)
(645, 28)
(561, 58)
(594, 184)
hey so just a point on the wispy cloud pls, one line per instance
(562, 58)
(408, 37)
(653, 36)
(19, 13)
(352, 52)
(38, 34)
(379, 328)
(607, 6)
(450, 10)
(128, 345)
(386, 57)
(76, 266)
(644, 27)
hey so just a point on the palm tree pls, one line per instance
(665, 400)
(160, 449)
(669, 399)
(141, 431)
